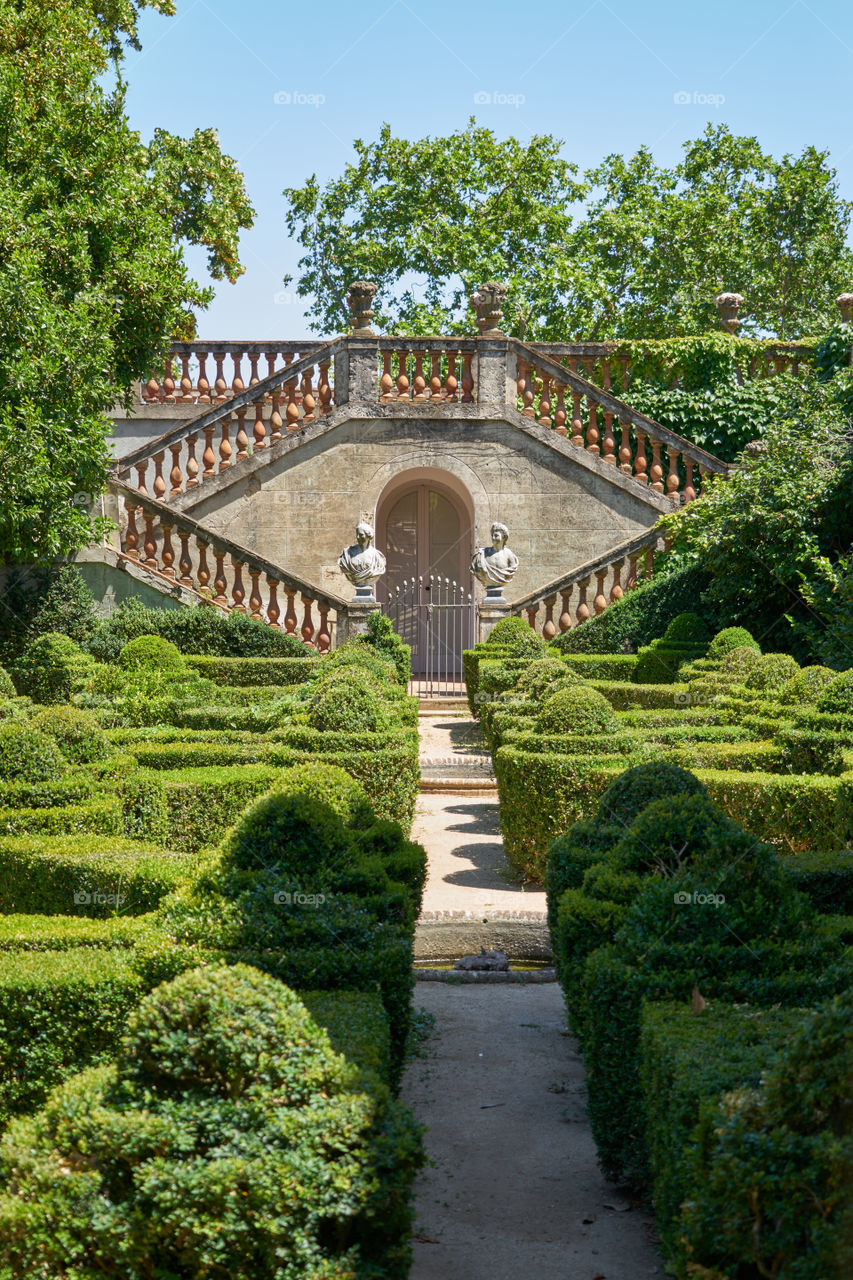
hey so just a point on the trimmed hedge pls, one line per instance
(58, 875)
(67, 933)
(825, 877)
(602, 666)
(625, 696)
(254, 671)
(101, 815)
(794, 812)
(642, 614)
(357, 1026)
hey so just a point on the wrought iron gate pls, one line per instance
(435, 616)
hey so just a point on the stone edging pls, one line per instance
(463, 975)
(484, 915)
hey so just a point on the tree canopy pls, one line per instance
(93, 282)
(628, 249)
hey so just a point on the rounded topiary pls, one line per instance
(151, 653)
(806, 687)
(688, 628)
(348, 705)
(290, 833)
(229, 1139)
(771, 672)
(731, 638)
(576, 710)
(27, 755)
(544, 674)
(837, 697)
(671, 832)
(635, 789)
(76, 732)
(331, 785)
(7, 689)
(517, 637)
(50, 668)
(360, 657)
(657, 665)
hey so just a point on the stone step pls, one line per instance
(460, 975)
(448, 935)
(430, 706)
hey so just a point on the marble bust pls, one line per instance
(494, 566)
(361, 563)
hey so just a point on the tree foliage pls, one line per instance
(629, 249)
(93, 282)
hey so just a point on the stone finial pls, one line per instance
(755, 449)
(360, 302)
(488, 300)
(495, 565)
(361, 564)
(728, 305)
(844, 302)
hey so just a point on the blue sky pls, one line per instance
(288, 86)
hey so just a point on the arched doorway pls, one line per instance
(425, 529)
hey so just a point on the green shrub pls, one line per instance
(630, 793)
(728, 639)
(792, 812)
(541, 674)
(773, 672)
(26, 755)
(92, 876)
(388, 770)
(290, 833)
(77, 733)
(68, 788)
(669, 834)
(518, 637)
(625, 696)
(642, 615)
(202, 630)
(806, 686)
(356, 1024)
(7, 688)
(601, 666)
(50, 669)
(659, 663)
(151, 653)
(382, 638)
(99, 815)
(253, 671)
(68, 933)
(228, 1065)
(826, 878)
(576, 710)
(837, 697)
(688, 628)
(350, 705)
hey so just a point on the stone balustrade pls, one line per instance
(557, 397)
(417, 370)
(588, 590)
(222, 572)
(212, 372)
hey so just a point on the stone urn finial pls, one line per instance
(495, 565)
(488, 301)
(844, 302)
(728, 305)
(360, 302)
(361, 564)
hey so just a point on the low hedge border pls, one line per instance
(616, 667)
(67, 933)
(99, 816)
(357, 1025)
(794, 812)
(253, 671)
(624, 696)
(826, 877)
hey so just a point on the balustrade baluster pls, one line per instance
(192, 464)
(290, 613)
(242, 440)
(309, 404)
(640, 462)
(633, 559)
(208, 457)
(467, 378)
(225, 449)
(616, 592)
(599, 604)
(582, 614)
(625, 448)
(237, 383)
(220, 582)
(324, 639)
(273, 611)
(291, 412)
(238, 591)
(560, 411)
(185, 564)
(577, 424)
(451, 383)
(592, 429)
(259, 429)
(673, 479)
(609, 441)
(168, 393)
(307, 622)
(271, 357)
(150, 545)
(141, 469)
(648, 562)
(176, 476)
(531, 615)
(386, 378)
(255, 600)
(131, 538)
(656, 470)
(550, 628)
(402, 376)
(187, 395)
(151, 390)
(689, 491)
(254, 357)
(167, 554)
(159, 482)
(418, 379)
(435, 383)
(275, 418)
(564, 622)
(220, 386)
(324, 388)
(545, 403)
(203, 384)
(203, 572)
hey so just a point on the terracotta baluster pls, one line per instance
(203, 572)
(150, 545)
(168, 395)
(592, 429)
(605, 369)
(324, 388)
(550, 628)
(131, 537)
(309, 404)
(520, 380)
(238, 591)
(451, 384)
(673, 479)
(192, 464)
(307, 620)
(640, 462)
(528, 392)
(220, 386)
(208, 457)
(275, 418)
(237, 383)
(273, 611)
(609, 442)
(560, 411)
(402, 376)
(291, 412)
(324, 639)
(187, 394)
(185, 564)
(599, 604)
(418, 379)
(159, 482)
(255, 600)
(625, 362)
(220, 582)
(259, 428)
(632, 569)
(582, 614)
(225, 445)
(254, 357)
(151, 390)
(241, 440)
(176, 476)
(141, 469)
(545, 403)
(703, 477)
(435, 383)
(616, 592)
(386, 378)
(290, 614)
(467, 378)
(565, 619)
(625, 449)
(577, 424)
(531, 615)
(648, 562)
(689, 490)
(167, 555)
(589, 366)
(203, 384)
(656, 470)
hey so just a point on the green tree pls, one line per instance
(93, 282)
(626, 250)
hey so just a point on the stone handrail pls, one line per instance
(543, 388)
(304, 403)
(222, 583)
(607, 571)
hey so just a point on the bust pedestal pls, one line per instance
(354, 621)
(490, 610)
